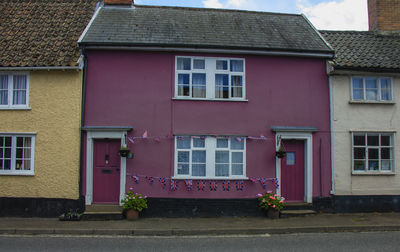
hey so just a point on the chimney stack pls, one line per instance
(384, 15)
(118, 2)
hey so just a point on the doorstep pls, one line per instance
(102, 212)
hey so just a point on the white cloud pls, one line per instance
(237, 3)
(336, 15)
(212, 4)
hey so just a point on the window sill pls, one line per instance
(373, 173)
(11, 108)
(207, 99)
(211, 178)
(373, 102)
(15, 173)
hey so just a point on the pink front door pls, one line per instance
(292, 171)
(106, 171)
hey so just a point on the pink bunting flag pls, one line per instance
(145, 134)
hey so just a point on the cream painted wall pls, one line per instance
(365, 117)
(55, 115)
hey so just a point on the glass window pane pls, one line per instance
(27, 153)
(20, 142)
(183, 156)
(237, 92)
(386, 165)
(359, 140)
(373, 154)
(183, 90)
(7, 141)
(222, 170)
(359, 153)
(236, 65)
(7, 152)
(198, 170)
(237, 169)
(386, 89)
(222, 156)
(371, 83)
(19, 153)
(357, 83)
(198, 142)
(373, 165)
(27, 165)
(222, 65)
(198, 78)
(198, 64)
(27, 142)
(7, 164)
(199, 91)
(372, 95)
(290, 158)
(183, 79)
(222, 143)
(1, 164)
(18, 164)
(359, 165)
(358, 94)
(183, 63)
(373, 140)
(198, 156)
(237, 157)
(183, 142)
(385, 153)
(385, 141)
(371, 88)
(183, 169)
(19, 93)
(237, 143)
(3, 89)
(236, 82)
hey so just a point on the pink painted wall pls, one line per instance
(136, 89)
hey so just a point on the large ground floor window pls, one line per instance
(16, 154)
(372, 152)
(210, 157)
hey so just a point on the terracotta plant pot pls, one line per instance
(273, 213)
(132, 214)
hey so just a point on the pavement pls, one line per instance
(354, 222)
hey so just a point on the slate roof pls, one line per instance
(364, 50)
(37, 33)
(203, 28)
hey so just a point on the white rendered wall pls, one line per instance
(349, 117)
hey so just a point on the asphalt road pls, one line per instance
(374, 241)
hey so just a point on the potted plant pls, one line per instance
(280, 153)
(124, 151)
(271, 203)
(133, 204)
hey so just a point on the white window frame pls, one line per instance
(10, 87)
(210, 71)
(379, 96)
(366, 146)
(13, 171)
(210, 148)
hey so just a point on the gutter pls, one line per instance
(332, 136)
(209, 50)
(41, 68)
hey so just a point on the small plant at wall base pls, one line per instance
(272, 203)
(133, 204)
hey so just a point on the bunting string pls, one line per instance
(201, 184)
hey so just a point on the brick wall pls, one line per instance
(384, 15)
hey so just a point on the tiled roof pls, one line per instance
(203, 28)
(364, 50)
(36, 33)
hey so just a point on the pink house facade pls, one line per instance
(203, 114)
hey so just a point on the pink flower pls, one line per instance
(281, 201)
(263, 201)
(269, 191)
(145, 197)
(259, 195)
(269, 204)
(275, 195)
(271, 197)
(273, 206)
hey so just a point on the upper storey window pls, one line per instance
(371, 89)
(13, 91)
(210, 78)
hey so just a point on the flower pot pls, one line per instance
(124, 152)
(280, 154)
(273, 213)
(132, 215)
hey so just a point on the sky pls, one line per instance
(324, 14)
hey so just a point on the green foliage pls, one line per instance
(270, 200)
(135, 201)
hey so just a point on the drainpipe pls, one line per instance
(332, 135)
(82, 121)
